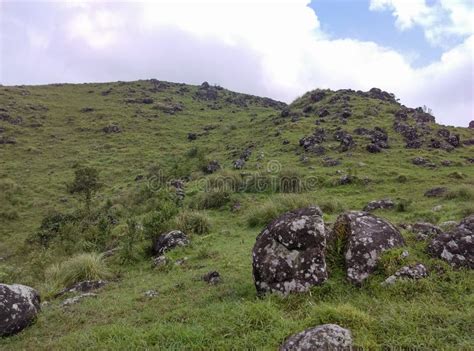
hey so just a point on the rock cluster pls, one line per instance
(456, 246)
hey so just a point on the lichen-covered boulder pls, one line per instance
(323, 337)
(366, 237)
(168, 241)
(456, 246)
(19, 305)
(289, 254)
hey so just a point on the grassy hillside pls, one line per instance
(47, 133)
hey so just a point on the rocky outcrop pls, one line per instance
(19, 305)
(169, 241)
(289, 254)
(323, 337)
(366, 237)
(456, 246)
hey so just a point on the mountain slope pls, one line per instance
(345, 148)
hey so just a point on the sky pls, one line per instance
(421, 50)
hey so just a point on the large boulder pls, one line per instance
(323, 337)
(456, 246)
(168, 241)
(289, 254)
(366, 237)
(377, 204)
(19, 305)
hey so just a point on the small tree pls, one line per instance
(86, 182)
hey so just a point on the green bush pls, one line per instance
(128, 252)
(85, 266)
(50, 228)
(276, 205)
(212, 199)
(193, 222)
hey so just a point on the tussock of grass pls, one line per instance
(195, 222)
(263, 214)
(85, 266)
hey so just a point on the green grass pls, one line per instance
(434, 313)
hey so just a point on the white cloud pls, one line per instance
(440, 20)
(271, 48)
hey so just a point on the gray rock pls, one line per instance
(366, 237)
(19, 305)
(456, 246)
(416, 271)
(212, 278)
(76, 299)
(168, 241)
(159, 261)
(151, 293)
(379, 204)
(425, 228)
(84, 286)
(289, 254)
(436, 192)
(323, 337)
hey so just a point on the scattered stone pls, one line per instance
(84, 286)
(212, 278)
(366, 237)
(212, 167)
(317, 95)
(323, 113)
(147, 101)
(330, 162)
(113, 128)
(7, 140)
(416, 271)
(192, 136)
(379, 204)
(373, 148)
(87, 109)
(168, 241)
(289, 254)
(456, 246)
(420, 161)
(436, 192)
(425, 228)
(76, 299)
(447, 163)
(159, 261)
(236, 206)
(151, 294)
(285, 142)
(19, 305)
(180, 261)
(324, 337)
(239, 163)
(346, 179)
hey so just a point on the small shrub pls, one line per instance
(403, 205)
(157, 222)
(9, 215)
(193, 222)
(86, 182)
(212, 199)
(85, 266)
(131, 237)
(461, 193)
